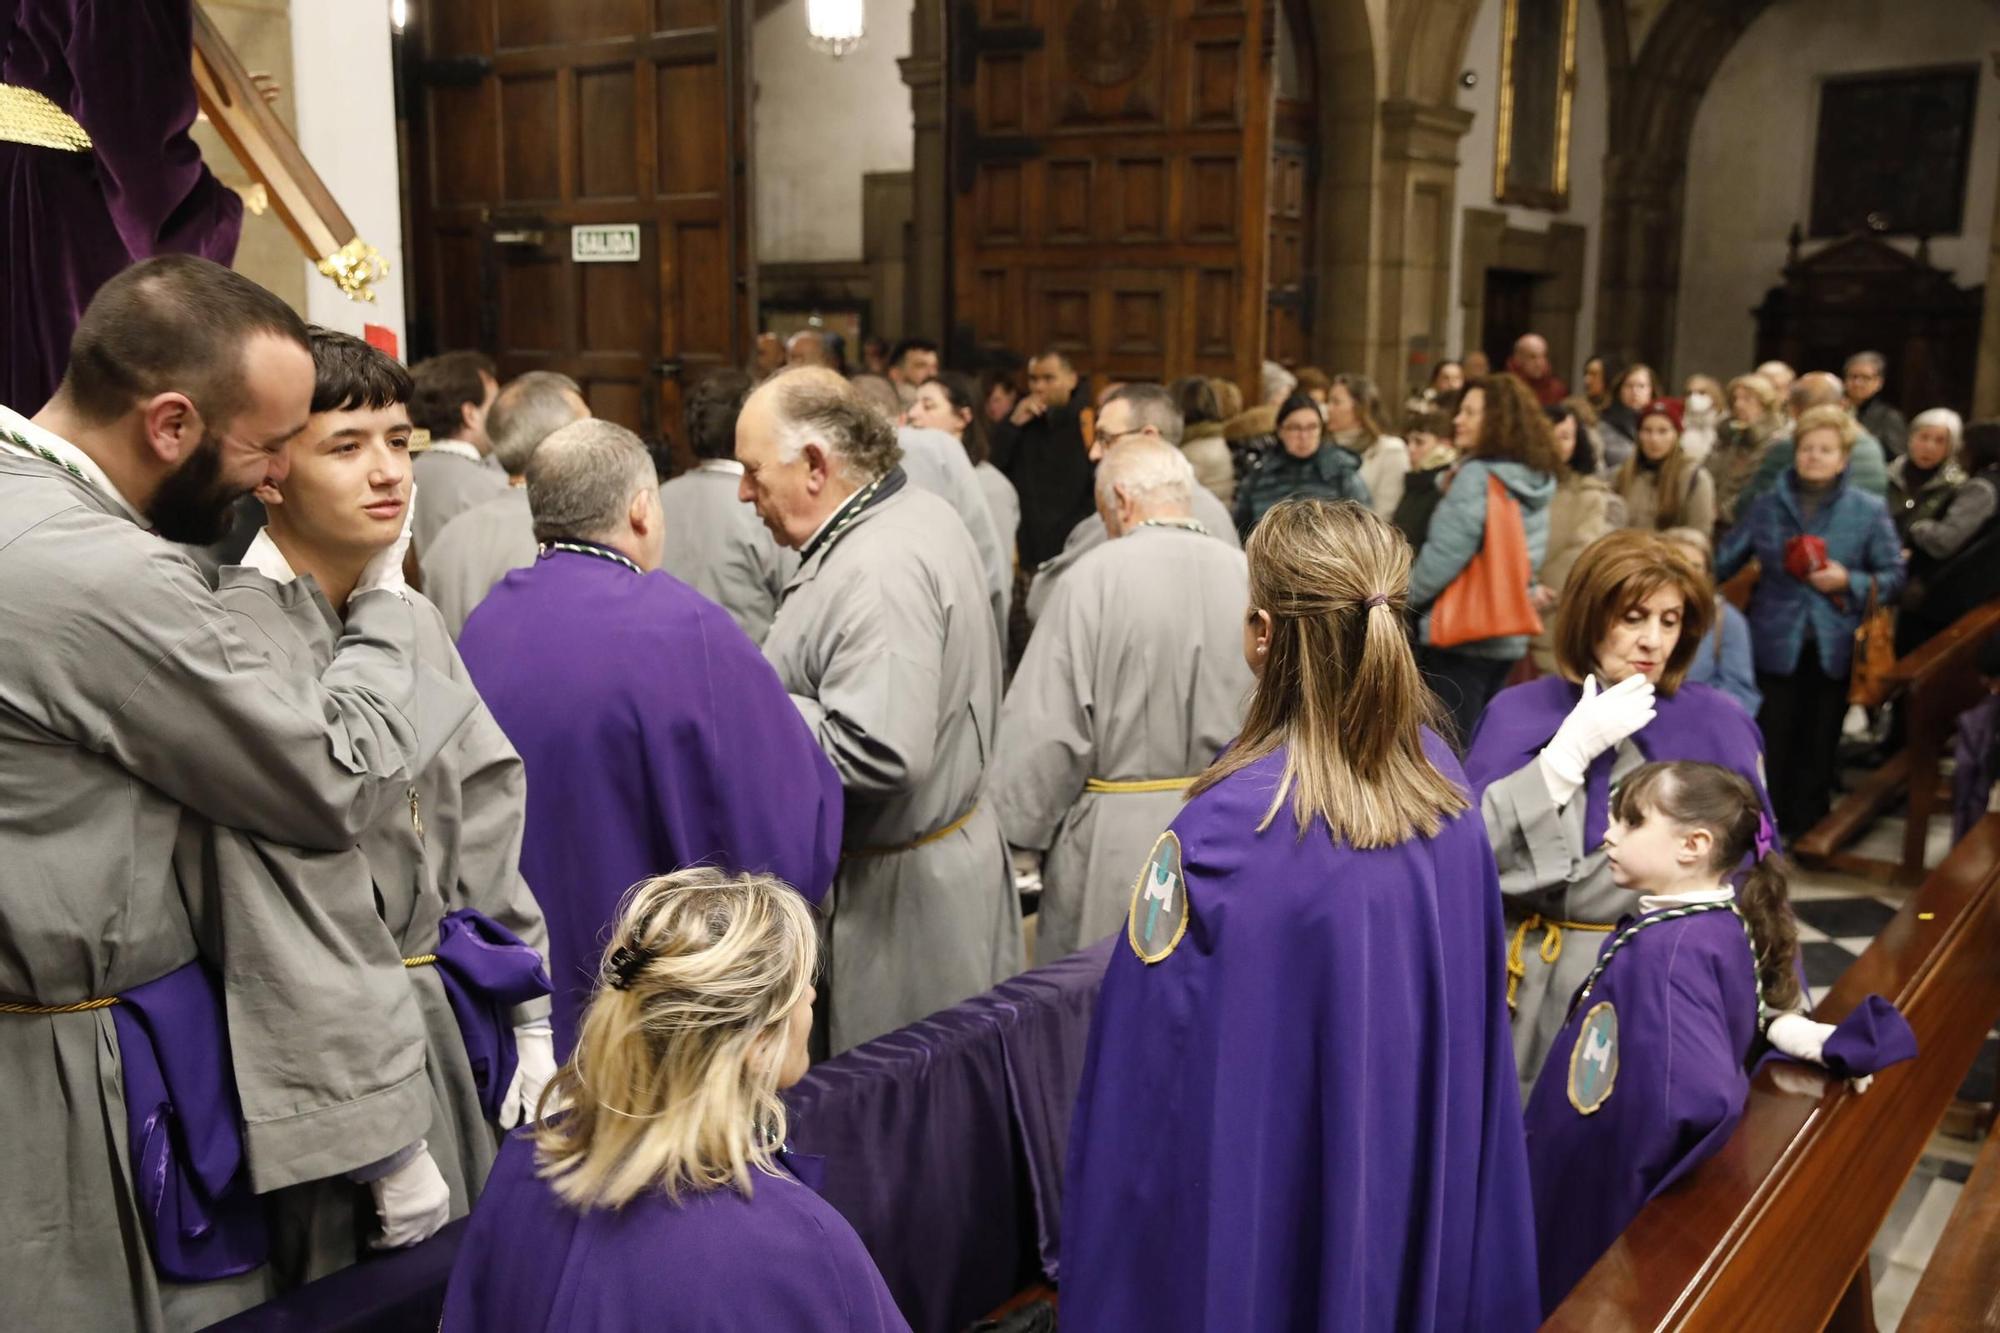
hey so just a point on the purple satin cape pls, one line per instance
(781, 1259)
(487, 971)
(1684, 995)
(1306, 1116)
(183, 1124)
(1694, 723)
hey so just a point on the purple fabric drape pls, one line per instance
(1973, 748)
(183, 1124)
(487, 971)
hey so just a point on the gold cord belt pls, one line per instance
(421, 960)
(864, 853)
(80, 1007)
(1551, 950)
(30, 118)
(1138, 784)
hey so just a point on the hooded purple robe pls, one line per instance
(714, 1261)
(1303, 1116)
(655, 737)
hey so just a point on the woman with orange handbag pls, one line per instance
(1486, 540)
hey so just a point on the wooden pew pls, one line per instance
(1773, 1232)
(1960, 1290)
(1934, 684)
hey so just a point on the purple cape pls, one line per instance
(781, 1259)
(183, 1124)
(1306, 1115)
(1669, 1063)
(487, 971)
(655, 736)
(1694, 723)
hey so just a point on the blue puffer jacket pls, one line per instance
(1858, 534)
(1458, 530)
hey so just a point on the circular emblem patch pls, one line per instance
(1593, 1061)
(1159, 914)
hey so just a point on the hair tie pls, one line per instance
(1379, 599)
(626, 963)
(1766, 836)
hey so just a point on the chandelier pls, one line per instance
(835, 26)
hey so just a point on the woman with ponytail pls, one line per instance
(1651, 1070)
(661, 1191)
(1298, 1106)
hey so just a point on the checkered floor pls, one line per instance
(1839, 916)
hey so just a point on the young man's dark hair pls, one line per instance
(713, 405)
(904, 346)
(175, 323)
(349, 374)
(444, 385)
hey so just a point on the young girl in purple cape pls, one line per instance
(1650, 1072)
(662, 1196)
(1298, 1106)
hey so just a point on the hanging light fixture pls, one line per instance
(835, 26)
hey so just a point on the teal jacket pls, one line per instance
(1458, 530)
(1867, 470)
(1333, 473)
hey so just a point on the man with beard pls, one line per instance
(128, 701)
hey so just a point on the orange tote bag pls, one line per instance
(1489, 598)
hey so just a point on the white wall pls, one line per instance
(344, 89)
(819, 124)
(1750, 164)
(1590, 132)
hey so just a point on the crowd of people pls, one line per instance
(341, 910)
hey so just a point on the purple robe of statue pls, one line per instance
(1304, 1114)
(75, 218)
(655, 736)
(715, 1262)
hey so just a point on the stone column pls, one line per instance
(1415, 200)
(930, 251)
(1986, 390)
(1640, 263)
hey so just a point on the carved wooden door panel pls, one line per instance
(1110, 161)
(580, 200)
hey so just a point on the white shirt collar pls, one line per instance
(457, 448)
(1654, 902)
(68, 455)
(265, 557)
(725, 465)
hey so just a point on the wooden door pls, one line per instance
(536, 119)
(1110, 161)
(1293, 186)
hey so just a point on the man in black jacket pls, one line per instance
(1044, 449)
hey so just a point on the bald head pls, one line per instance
(1780, 375)
(1142, 477)
(807, 347)
(526, 411)
(1816, 388)
(1531, 356)
(593, 481)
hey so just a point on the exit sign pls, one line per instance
(610, 243)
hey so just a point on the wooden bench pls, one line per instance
(1960, 1290)
(1935, 684)
(1773, 1232)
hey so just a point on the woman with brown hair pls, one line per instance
(1618, 423)
(661, 1189)
(1302, 1031)
(1353, 419)
(1501, 433)
(947, 403)
(1201, 436)
(1549, 752)
(1662, 486)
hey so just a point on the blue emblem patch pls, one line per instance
(1593, 1061)
(1159, 914)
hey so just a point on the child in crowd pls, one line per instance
(1651, 1071)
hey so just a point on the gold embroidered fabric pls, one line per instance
(30, 118)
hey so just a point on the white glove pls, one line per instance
(534, 1066)
(385, 568)
(1597, 723)
(411, 1202)
(1803, 1039)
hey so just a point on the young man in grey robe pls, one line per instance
(714, 543)
(1129, 411)
(1133, 681)
(886, 642)
(492, 539)
(456, 470)
(130, 707)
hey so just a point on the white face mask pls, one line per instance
(1699, 402)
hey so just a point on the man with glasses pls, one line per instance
(1863, 376)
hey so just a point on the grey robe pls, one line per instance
(718, 546)
(128, 700)
(1004, 503)
(886, 646)
(455, 843)
(475, 551)
(1545, 871)
(1089, 534)
(1134, 673)
(937, 463)
(447, 486)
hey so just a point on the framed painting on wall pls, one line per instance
(1537, 98)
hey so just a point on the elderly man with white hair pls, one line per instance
(885, 639)
(1133, 681)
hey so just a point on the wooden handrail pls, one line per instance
(1965, 635)
(1769, 1233)
(1960, 1290)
